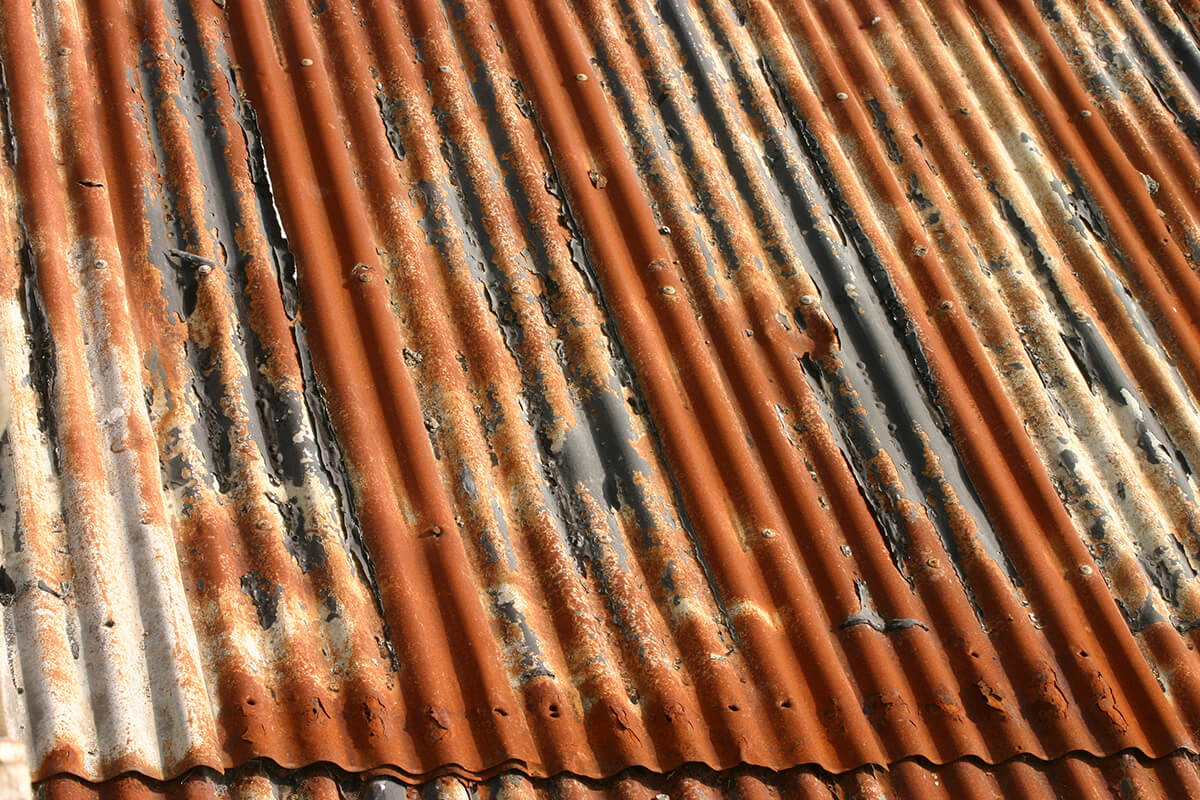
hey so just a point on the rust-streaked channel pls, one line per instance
(506, 388)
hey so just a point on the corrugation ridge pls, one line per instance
(835, 270)
(1159, 407)
(596, 548)
(551, 705)
(427, 347)
(125, 137)
(1142, 135)
(280, 559)
(726, 689)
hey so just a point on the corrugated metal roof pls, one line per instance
(465, 387)
(1121, 776)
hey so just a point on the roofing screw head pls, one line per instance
(933, 563)
(876, 20)
(1084, 569)
(767, 533)
(100, 263)
(664, 230)
(668, 290)
(1085, 113)
(807, 299)
(306, 62)
(966, 112)
(444, 69)
(945, 305)
(580, 77)
(842, 96)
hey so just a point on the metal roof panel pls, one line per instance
(586, 386)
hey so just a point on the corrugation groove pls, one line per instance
(499, 389)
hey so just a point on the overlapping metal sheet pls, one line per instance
(1121, 776)
(577, 386)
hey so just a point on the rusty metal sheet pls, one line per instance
(1074, 776)
(460, 387)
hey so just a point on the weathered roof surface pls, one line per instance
(468, 387)
(1075, 776)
